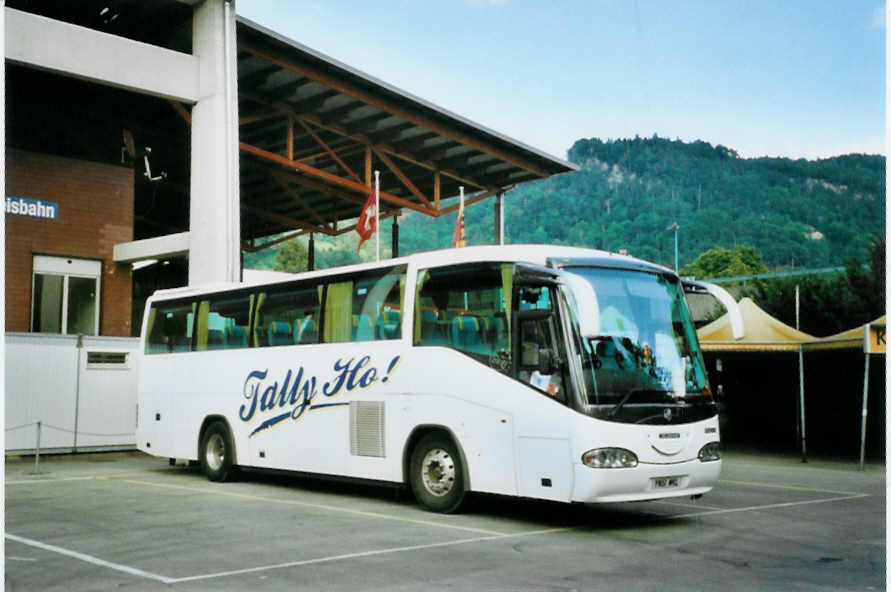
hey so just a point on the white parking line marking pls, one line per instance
(90, 559)
(771, 506)
(49, 480)
(689, 505)
(207, 490)
(362, 554)
(789, 487)
(13, 558)
(89, 478)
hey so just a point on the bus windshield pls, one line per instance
(646, 352)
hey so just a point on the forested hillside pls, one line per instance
(795, 213)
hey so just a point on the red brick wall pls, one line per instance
(95, 213)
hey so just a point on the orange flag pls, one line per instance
(459, 237)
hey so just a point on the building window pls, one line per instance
(65, 296)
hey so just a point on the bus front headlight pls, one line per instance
(609, 458)
(710, 452)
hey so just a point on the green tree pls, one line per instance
(828, 304)
(722, 262)
(291, 257)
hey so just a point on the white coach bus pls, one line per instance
(545, 372)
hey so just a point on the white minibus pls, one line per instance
(544, 372)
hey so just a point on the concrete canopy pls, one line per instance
(763, 333)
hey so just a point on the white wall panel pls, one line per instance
(41, 375)
(107, 402)
(43, 384)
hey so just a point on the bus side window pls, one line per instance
(365, 307)
(466, 307)
(288, 314)
(169, 328)
(223, 322)
(538, 342)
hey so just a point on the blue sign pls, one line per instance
(33, 208)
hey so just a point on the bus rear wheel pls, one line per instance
(217, 452)
(437, 475)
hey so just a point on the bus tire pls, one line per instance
(436, 474)
(216, 452)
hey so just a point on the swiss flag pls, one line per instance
(367, 224)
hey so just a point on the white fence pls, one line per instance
(81, 390)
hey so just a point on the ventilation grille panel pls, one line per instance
(367, 428)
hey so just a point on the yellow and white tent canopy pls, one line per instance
(869, 338)
(763, 333)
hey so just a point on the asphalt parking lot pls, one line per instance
(132, 522)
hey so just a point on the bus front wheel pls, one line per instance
(436, 474)
(217, 452)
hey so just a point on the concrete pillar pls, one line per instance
(499, 218)
(215, 222)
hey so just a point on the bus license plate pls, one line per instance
(666, 482)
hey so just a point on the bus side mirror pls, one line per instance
(734, 315)
(584, 300)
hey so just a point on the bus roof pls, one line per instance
(559, 256)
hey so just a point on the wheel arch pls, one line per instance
(419, 432)
(209, 420)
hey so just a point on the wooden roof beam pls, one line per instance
(257, 78)
(390, 133)
(283, 220)
(432, 166)
(246, 247)
(327, 189)
(309, 104)
(331, 178)
(262, 116)
(364, 124)
(283, 91)
(402, 177)
(469, 201)
(413, 143)
(337, 113)
(282, 182)
(330, 152)
(335, 193)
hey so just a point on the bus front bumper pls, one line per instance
(644, 482)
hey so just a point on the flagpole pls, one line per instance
(377, 213)
(461, 238)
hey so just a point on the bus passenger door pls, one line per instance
(544, 463)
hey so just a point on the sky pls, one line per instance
(801, 79)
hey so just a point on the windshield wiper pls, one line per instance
(629, 394)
